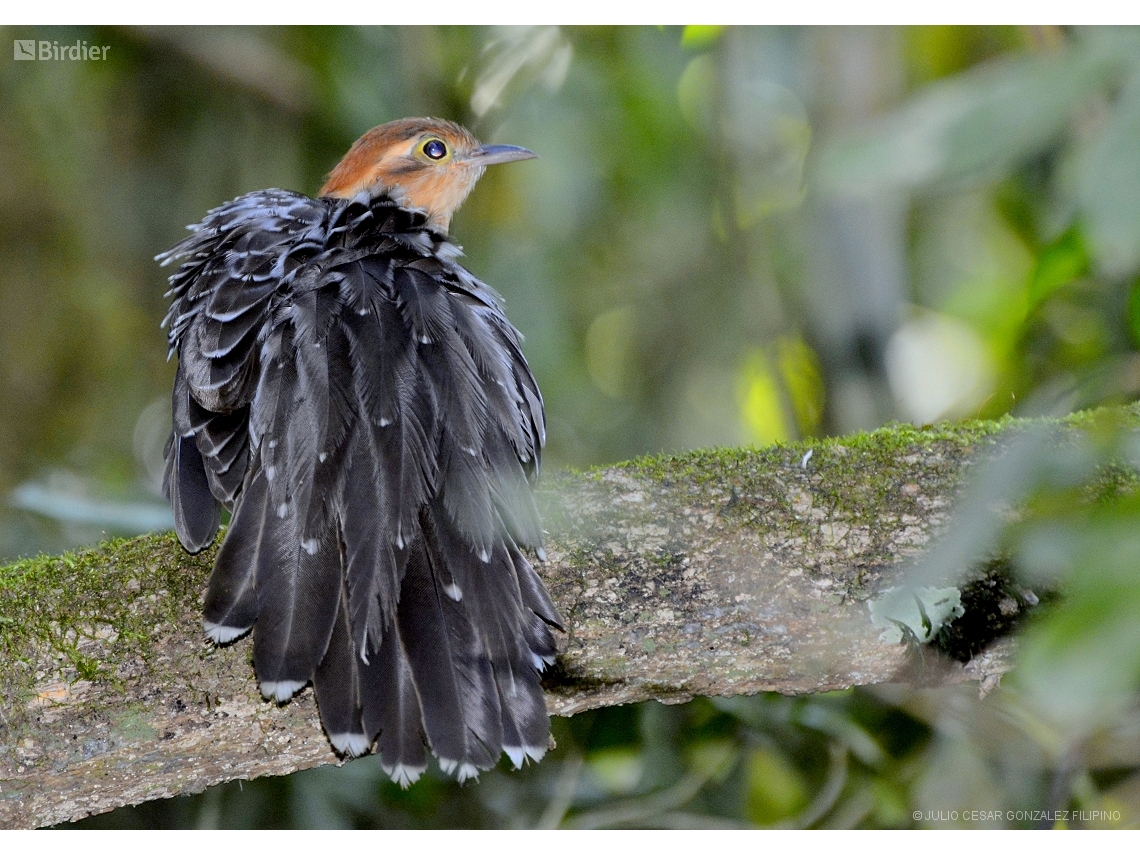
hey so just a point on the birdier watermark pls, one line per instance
(45, 51)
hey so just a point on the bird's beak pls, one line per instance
(490, 154)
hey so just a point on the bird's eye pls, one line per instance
(435, 149)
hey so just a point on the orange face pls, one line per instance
(430, 164)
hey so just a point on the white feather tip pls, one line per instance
(350, 744)
(223, 634)
(541, 662)
(467, 772)
(403, 775)
(281, 690)
(516, 754)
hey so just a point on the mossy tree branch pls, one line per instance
(709, 573)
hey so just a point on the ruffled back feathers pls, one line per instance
(361, 403)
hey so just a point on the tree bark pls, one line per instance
(710, 573)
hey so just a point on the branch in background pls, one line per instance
(711, 573)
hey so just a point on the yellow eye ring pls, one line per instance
(434, 149)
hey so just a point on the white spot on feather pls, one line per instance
(323, 456)
(384, 422)
(403, 775)
(311, 545)
(453, 591)
(466, 772)
(282, 509)
(484, 555)
(425, 340)
(280, 691)
(223, 634)
(516, 753)
(540, 662)
(352, 744)
(270, 473)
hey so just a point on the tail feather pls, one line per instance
(387, 456)
(451, 671)
(392, 708)
(280, 565)
(337, 683)
(510, 489)
(231, 599)
(534, 594)
(374, 567)
(298, 589)
(186, 486)
(299, 567)
(186, 478)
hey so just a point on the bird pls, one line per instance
(361, 405)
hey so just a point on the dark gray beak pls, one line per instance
(490, 154)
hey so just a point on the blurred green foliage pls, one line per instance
(733, 235)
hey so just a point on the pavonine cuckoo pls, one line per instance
(361, 404)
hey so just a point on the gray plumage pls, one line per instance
(361, 404)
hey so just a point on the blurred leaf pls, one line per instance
(713, 759)
(969, 128)
(1134, 313)
(697, 92)
(837, 722)
(803, 378)
(1059, 263)
(774, 790)
(1107, 186)
(610, 342)
(71, 499)
(766, 133)
(955, 778)
(617, 770)
(938, 368)
(699, 37)
(519, 56)
(890, 804)
(759, 396)
(939, 51)
(1081, 665)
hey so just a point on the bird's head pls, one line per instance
(429, 164)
